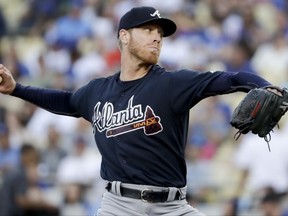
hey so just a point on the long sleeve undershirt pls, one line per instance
(230, 82)
(52, 100)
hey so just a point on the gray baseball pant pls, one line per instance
(113, 204)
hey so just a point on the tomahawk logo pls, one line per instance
(156, 13)
(124, 121)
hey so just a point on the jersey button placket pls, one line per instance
(121, 95)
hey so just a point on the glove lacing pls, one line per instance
(245, 126)
(267, 139)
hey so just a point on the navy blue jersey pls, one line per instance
(141, 126)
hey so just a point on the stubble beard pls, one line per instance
(145, 56)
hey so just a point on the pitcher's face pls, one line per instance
(145, 43)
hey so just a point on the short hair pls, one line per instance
(27, 147)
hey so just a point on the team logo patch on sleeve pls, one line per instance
(125, 121)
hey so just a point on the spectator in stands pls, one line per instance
(260, 168)
(272, 203)
(81, 158)
(21, 194)
(52, 154)
(3, 25)
(74, 203)
(271, 59)
(238, 58)
(37, 16)
(9, 154)
(67, 30)
(11, 58)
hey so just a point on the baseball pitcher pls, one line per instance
(140, 117)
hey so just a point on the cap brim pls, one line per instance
(169, 27)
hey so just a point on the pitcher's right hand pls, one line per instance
(8, 84)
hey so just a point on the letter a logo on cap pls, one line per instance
(156, 13)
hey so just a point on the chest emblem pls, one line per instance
(130, 119)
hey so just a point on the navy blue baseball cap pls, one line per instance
(141, 15)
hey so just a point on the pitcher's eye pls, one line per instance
(147, 29)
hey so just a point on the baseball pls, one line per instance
(1, 79)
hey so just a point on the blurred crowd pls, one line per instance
(49, 164)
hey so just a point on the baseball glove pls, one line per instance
(259, 112)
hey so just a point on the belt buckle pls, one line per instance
(142, 194)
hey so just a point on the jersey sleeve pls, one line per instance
(189, 87)
(85, 98)
(52, 100)
(81, 99)
(228, 82)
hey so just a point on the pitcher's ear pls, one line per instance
(124, 36)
